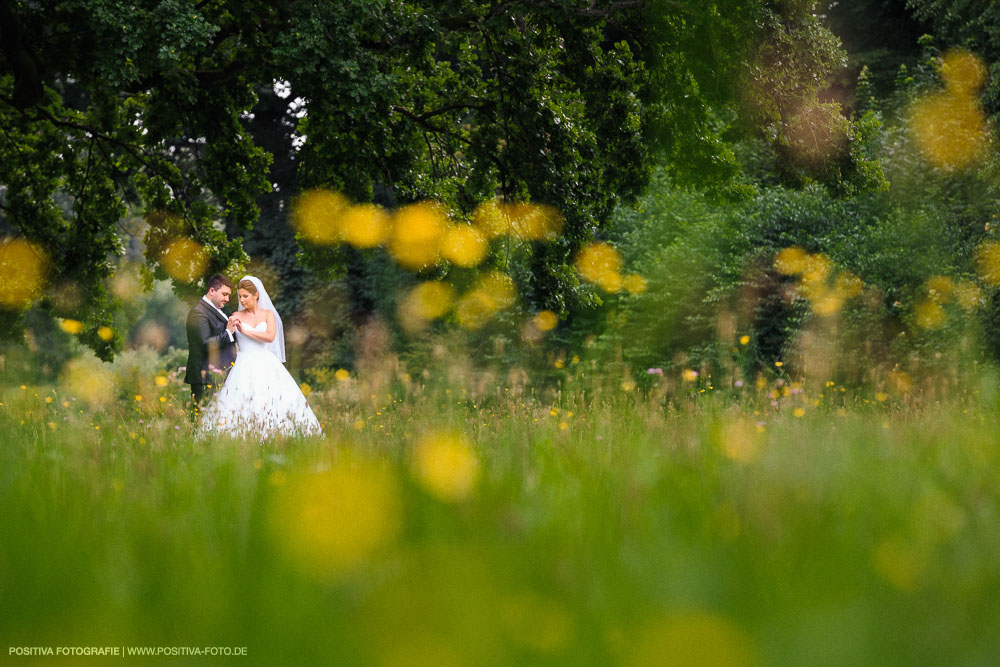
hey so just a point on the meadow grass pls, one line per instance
(432, 527)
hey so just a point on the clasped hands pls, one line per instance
(235, 323)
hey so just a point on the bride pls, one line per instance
(259, 396)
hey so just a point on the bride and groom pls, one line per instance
(258, 397)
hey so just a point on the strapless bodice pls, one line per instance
(247, 343)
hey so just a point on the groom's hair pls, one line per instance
(217, 281)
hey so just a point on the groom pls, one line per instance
(211, 345)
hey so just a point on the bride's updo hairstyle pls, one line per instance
(250, 287)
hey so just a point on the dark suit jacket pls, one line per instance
(208, 343)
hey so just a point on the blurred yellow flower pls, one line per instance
(492, 293)
(635, 284)
(740, 441)
(968, 295)
(105, 333)
(490, 220)
(474, 309)
(817, 269)
(534, 222)
(500, 287)
(949, 127)
(184, 260)
(847, 285)
(828, 304)
(316, 215)
(90, 380)
(464, 246)
(963, 72)
(691, 638)
(744, 340)
(446, 466)
(417, 233)
(161, 380)
(799, 412)
(330, 524)
(791, 261)
(939, 288)
(425, 302)
(689, 375)
(71, 326)
(600, 263)
(138, 398)
(901, 381)
(305, 388)
(929, 314)
(342, 375)
(546, 320)
(364, 225)
(23, 266)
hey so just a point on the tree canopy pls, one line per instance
(112, 109)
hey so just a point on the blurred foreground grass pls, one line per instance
(432, 530)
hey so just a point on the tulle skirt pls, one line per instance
(260, 399)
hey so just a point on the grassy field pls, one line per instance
(448, 528)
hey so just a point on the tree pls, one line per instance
(109, 107)
(974, 25)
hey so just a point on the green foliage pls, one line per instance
(710, 270)
(151, 106)
(972, 25)
(878, 209)
(879, 36)
(795, 60)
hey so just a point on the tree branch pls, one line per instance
(134, 151)
(615, 8)
(422, 121)
(450, 107)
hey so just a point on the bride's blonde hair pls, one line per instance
(249, 286)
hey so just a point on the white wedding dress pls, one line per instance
(259, 398)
